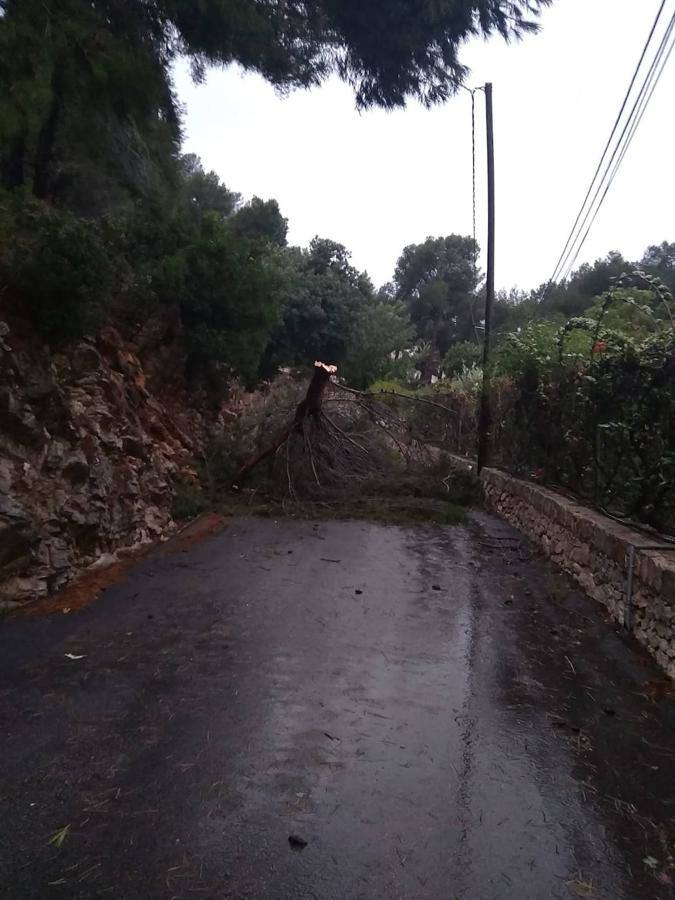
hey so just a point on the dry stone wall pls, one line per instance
(595, 550)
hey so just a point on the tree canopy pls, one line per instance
(437, 280)
(86, 87)
(261, 219)
(323, 297)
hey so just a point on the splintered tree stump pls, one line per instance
(309, 406)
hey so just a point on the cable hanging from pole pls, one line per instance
(472, 300)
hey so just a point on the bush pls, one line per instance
(228, 304)
(66, 275)
(463, 355)
(537, 347)
(588, 405)
(188, 500)
(382, 332)
(59, 269)
(387, 385)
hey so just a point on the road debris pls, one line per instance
(297, 843)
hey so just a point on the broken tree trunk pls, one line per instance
(309, 406)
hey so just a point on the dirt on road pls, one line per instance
(335, 710)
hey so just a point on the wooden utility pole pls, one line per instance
(485, 416)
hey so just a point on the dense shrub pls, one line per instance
(59, 269)
(228, 300)
(589, 406)
(66, 275)
(605, 429)
(460, 356)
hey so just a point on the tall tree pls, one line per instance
(381, 330)
(203, 192)
(659, 259)
(438, 282)
(261, 219)
(80, 76)
(93, 95)
(574, 296)
(323, 297)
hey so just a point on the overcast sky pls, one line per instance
(376, 181)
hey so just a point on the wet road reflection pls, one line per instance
(434, 712)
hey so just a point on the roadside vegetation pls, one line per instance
(104, 221)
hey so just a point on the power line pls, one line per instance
(565, 251)
(632, 123)
(575, 233)
(649, 97)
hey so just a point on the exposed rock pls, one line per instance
(17, 537)
(75, 467)
(88, 455)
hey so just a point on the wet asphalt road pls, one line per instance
(433, 710)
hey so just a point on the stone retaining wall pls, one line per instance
(595, 549)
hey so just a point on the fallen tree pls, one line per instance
(340, 444)
(309, 406)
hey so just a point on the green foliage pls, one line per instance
(589, 281)
(588, 404)
(322, 297)
(188, 501)
(202, 192)
(537, 347)
(261, 219)
(187, 255)
(93, 101)
(633, 312)
(178, 257)
(381, 330)
(597, 415)
(387, 385)
(87, 111)
(659, 260)
(388, 52)
(460, 356)
(227, 303)
(575, 297)
(59, 269)
(466, 383)
(437, 280)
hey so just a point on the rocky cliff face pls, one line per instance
(88, 455)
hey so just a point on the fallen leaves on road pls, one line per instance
(580, 888)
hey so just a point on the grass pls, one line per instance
(384, 510)
(321, 476)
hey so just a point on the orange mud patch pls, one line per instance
(659, 689)
(202, 527)
(87, 587)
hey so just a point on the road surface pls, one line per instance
(432, 710)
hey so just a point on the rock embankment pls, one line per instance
(88, 456)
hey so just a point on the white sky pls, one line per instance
(376, 181)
